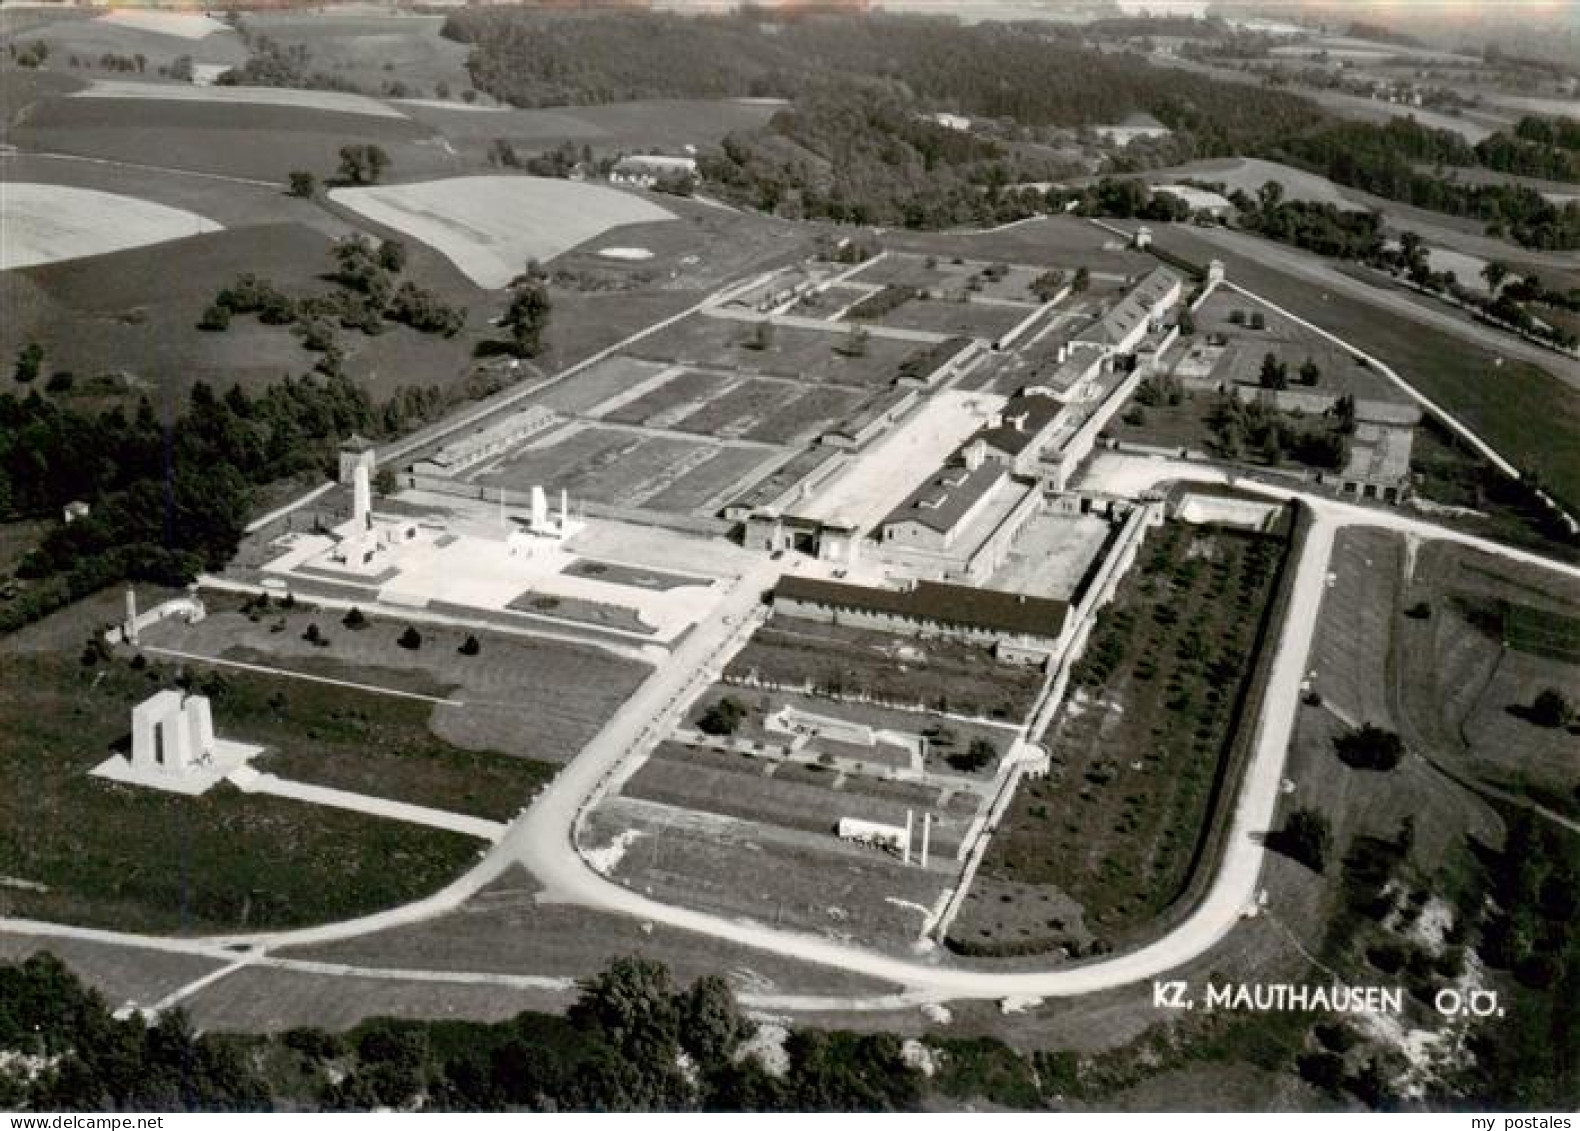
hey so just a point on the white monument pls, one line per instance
(362, 497)
(174, 747)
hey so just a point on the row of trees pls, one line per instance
(1385, 160)
(632, 1041)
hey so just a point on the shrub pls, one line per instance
(1550, 708)
(723, 718)
(1370, 748)
(411, 639)
(355, 619)
(1306, 837)
(470, 646)
(977, 756)
(28, 360)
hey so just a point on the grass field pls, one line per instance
(963, 319)
(959, 677)
(1341, 371)
(505, 928)
(535, 699)
(795, 880)
(1522, 411)
(249, 140)
(326, 100)
(651, 126)
(1141, 744)
(135, 313)
(370, 48)
(946, 279)
(137, 859)
(792, 352)
(598, 383)
(1056, 241)
(1462, 678)
(491, 226)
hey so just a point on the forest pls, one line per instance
(1034, 74)
(168, 500)
(856, 144)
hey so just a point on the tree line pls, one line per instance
(1031, 74)
(169, 500)
(1383, 159)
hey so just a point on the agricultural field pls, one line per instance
(1142, 751)
(952, 675)
(791, 352)
(263, 138)
(160, 37)
(369, 50)
(328, 101)
(51, 223)
(491, 226)
(663, 126)
(1249, 174)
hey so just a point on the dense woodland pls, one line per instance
(856, 145)
(1035, 74)
(860, 154)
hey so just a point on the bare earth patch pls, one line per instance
(49, 223)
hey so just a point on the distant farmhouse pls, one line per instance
(1198, 200)
(1134, 127)
(648, 170)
